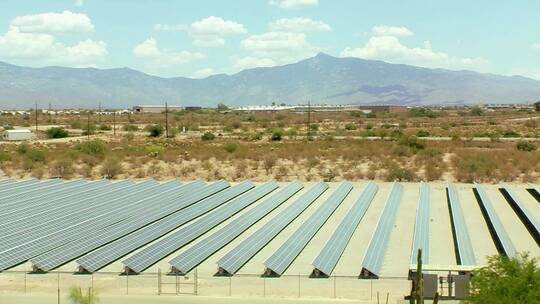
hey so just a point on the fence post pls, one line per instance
(176, 283)
(299, 284)
(196, 283)
(58, 287)
(334, 286)
(127, 283)
(25, 282)
(264, 287)
(371, 290)
(159, 282)
(230, 285)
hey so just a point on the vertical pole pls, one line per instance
(264, 287)
(25, 282)
(58, 287)
(88, 125)
(196, 282)
(127, 283)
(230, 286)
(387, 295)
(92, 283)
(114, 122)
(36, 117)
(99, 113)
(308, 120)
(378, 298)
(176, 282)
(334, 286)
(166, 121)
(299, 285)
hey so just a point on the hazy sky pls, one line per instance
(204, 37)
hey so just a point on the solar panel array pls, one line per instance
(498, 233)
(278, 262)
(140, 223)
(374, 256)
(462, 240)
(195, 255)
(421, 227)
(326, 260)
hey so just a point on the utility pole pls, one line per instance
(99, 113)
(309, 121)
(166, 120)
(36, 110)
(88, 125)
(114, 122)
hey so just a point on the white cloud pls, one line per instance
(293, 3)
(390, 49)
(299, 24)
(277, 42)
(170, 27)
(253, 62)
(54, 23)
(384, 30)
(149, 50)
(79, 2)
(203, 73)
(535, 46)
(31, 38)
(212, 31)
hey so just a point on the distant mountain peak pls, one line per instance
(322, 79)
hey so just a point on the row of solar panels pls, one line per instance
(97, 223)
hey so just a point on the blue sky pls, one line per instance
(199, 38)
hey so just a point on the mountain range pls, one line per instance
(320, 79)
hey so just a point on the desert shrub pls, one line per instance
(208, 136)
(476, 111)
(111, 168)
(22, 149)
(95, 148)
(36, 155)
(472, 167)
(89, 129)
(511, 134)
(422, 112)
(76, 296)
(155, 130)
(412, 142)
(105, 127)
(314, 127)
(292, 133)
(396, 173)
(57, 133)
(423, 133)
(153, 150)
(257, 136)
(350, 127)
(129, 136)
(236, 125)
(330, 174)
(76, 125)
(506, 280)
(277, 135)
(227, 129)
(526, 146)
(130, 128)
(230, 147)
(369, 126)
(4, 156)
(269, 162)
(61, 168)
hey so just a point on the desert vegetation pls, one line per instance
(421, 144)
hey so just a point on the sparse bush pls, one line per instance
(230, 147)
(130, 128)
(104, 127)
(155, 130)
(153, 150)
(76, 296)
(422, 112)
(36, 155)
(76, 125)
(276, 135)
(526, 146)
(111, 168)
(61, 168)
(4, 157)
(350, 127)
(22, 149)
(208, 136)
(476, 111)
(57, 133)
(95, 148)
(423, 133)
(269, 162)
(397, 173)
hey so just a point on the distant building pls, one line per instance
(155, 108)
(193, 108)
(19, 134)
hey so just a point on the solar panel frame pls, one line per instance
(283, 257)
(421, 227)
(500, 237)
(525, 215)
(165, 205)
(327, 259)
(185, 235)
(113, 251)
(374, 256)
(189, 259)
(16, 190)
(462, 241)
(233, 260)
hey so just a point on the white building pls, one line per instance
(20, 134)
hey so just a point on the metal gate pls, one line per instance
(176, 284)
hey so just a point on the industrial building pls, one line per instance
(155, 108)
(17, 135)
(247, 232)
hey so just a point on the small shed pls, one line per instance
(19, 134)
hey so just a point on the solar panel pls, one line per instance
(282, 258)
(326, 260)
(462, 241)
(25, 189)
(20, 185)
(525, 215)
(421, 228)
(163, 206)
(103, 256)
(195, 255)
(163, 247)
(7, 183)
(374, 256)
(118, 209)
(500, 237)
(231, 262)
